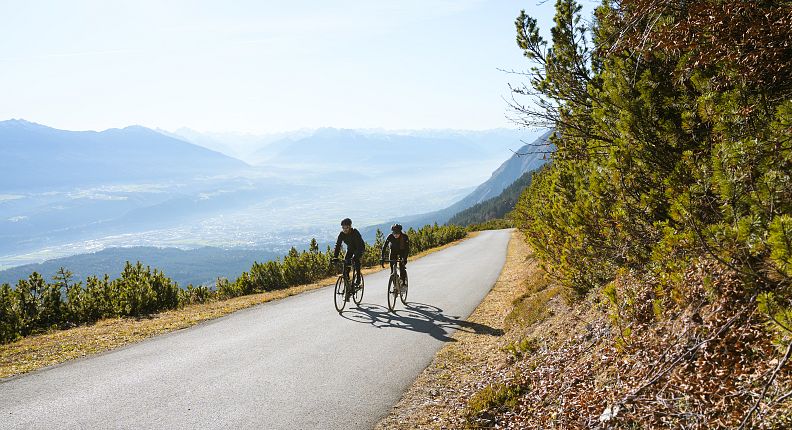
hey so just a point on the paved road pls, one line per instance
(291, 364)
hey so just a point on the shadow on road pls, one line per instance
(418, 317)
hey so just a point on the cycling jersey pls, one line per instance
(398, 247)
(354, 242)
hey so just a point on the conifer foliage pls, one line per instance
(673, 152)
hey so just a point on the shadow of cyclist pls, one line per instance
(418, 317)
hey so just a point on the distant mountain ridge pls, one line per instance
(196, 266)
(330, 146)
(34, 155)
(334, 145)
(526, 159)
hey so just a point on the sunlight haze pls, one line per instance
(260, 67)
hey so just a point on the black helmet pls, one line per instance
(346, 221)
(396, 228)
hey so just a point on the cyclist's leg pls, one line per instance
(347, 265)
(402, 266)
(392, 263)
(356, 260)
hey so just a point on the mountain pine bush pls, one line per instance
(670, 195)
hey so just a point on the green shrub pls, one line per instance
(491, 399)
(9, 315)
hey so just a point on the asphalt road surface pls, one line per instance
(289, 364)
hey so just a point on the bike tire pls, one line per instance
(403, 291)
(339, 294)
(392, 292)
(358, 297)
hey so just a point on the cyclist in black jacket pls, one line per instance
(355, 247)
(399, 249)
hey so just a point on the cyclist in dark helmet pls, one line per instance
(355, 247)
(399, 248)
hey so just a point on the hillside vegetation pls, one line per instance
(496, 207)
(668, 206)
(35, 305)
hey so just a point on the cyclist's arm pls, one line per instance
(385, 246)
(406, 247)
(361, 245)
(337, 246)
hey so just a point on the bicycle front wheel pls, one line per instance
(393, 291)
(403, 291)
(358, 297)
(339, 294)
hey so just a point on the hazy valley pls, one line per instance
(66, 193)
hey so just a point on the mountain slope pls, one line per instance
(525, 160)
(33, 155)
(496, 207)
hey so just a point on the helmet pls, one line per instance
(346, 221)
(396, 228)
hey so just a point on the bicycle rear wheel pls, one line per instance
(403, 291)
(339, 294)
(393, 291)
(358, 297)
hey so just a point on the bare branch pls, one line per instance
(766, 386)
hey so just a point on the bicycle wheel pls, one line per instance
(403, 291)
(339, 294)
(393, 291)
(358, 296)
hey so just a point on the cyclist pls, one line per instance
(399, 249)
(355, 247)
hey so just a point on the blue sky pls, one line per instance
(260, 66)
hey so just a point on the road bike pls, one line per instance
(345, 288)
(397, 287)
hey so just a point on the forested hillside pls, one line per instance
(525, 160)
(668, 204)
(496, 207)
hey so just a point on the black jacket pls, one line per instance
(353, 241)
(399, 247)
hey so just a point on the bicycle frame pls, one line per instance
(343, 264)
(393, 265)
(345, 289)
(399, 287)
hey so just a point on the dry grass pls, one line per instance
(56, 347)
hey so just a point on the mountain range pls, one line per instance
(64, 193)
(33, 156)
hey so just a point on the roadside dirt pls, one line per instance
(436, 398)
